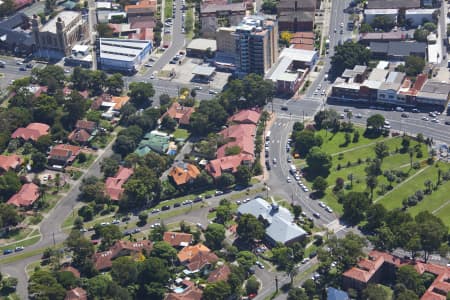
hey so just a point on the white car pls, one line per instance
(435, 120)
(305, 189)
(358, 115)
(425, 118)
(328, 209)
(289, 180)
(115, 221)
(321, 204)
(155, 211)
(238, 202)
(246, 200)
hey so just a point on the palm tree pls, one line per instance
(350, 177)
(439, 177)
(371, 182)
(411, 153)
(428, 184)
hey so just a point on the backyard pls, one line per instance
(409, 166)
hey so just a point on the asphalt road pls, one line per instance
(11, 71)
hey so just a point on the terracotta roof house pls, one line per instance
(83, 132)
(246, 116)
(26, 196)
(382, 266)
(184, 173)
(97, 103)
(191, 293)
(32, 132)
(242, 135)
(63, 155)
(179, 113)
(10, 162)
(187, 253)
(177, 239)
(221, 273)
(76, 294)
(143, 8)
(113, 185)
(67, 91)
(103, 260)
(228, 164)
(72, 270)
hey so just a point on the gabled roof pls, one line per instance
(200, 260)
(241, 135)
(113, 185)
(247, 116)
(86, 125)
(184, 173)
(187, 253)
(64, 152)
(103, 260)
(221, 273)
(230, 163)
(26, 196)
(177, 239)
(32, 132)
(180, 113)
(191, 293)
(79, 135)
(10, 162)
(76, 294)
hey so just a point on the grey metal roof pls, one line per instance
(203, 70)
(393, 4)
(398, 48)
(281, 223)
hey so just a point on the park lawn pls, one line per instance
(444, 214)
(408, 187)
(181, 133)
(331, 142)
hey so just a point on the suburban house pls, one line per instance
(26, 196)
(179, 113)
(76, 294)
(177, 239)
(196, 258)
(184, 173)
(228, 164)
(84, 132)
(63, 155)
(32, 132)
(111, 105)
(246, 116)
(280, 225)
(220, 273)
(10, 162)
(103, 260)
(113, 185)
(158, 142)
(142, 8)
(381, 267)
(190, 293)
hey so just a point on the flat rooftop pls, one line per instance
(120, 49)
(66, 16)
(203, 70)
(203, 44)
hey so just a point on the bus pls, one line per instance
(268, 136)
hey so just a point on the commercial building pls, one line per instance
(297, 15)
(291, 69)
(280, 225)
(142, 8)
(215, 15)
(256, 45)
(371, 14)
(434, 93)
(122, 55)
(397, 50)
(375, 4)
(385, 37)
(15, 36)
(417, 17)
(226, 49)
(58, 36)
(201, 48)
(303, 40)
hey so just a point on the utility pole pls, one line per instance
(276, 283)
(54, 241)
(303, 116)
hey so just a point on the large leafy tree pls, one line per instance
(305, 140)
(209, 117)
(43, 285)
(214, 236)
(141, 94)
(219, 290)
(164, 251)
(249, 228)
(124, 271)
(348, 55)
(114, 83)
(346, 252)
(8, 215)
(9, 185)
(432, 232)
(319, 162)
(143, 188)
(376, 122)
(355, 205)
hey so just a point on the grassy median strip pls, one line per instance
(24, 243)
(168, 9)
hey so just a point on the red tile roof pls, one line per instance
(10, 162)
(247, 116)
(177, 239)
(184, 174)
(144, 6)
(26, 196)
(303, 34)
(86, 125)
(201, 259)
(180, 113)
(187, 253)
(191, 293)
(221, 273)
(64, 152)
(227, 164)
(103, 260)
(241, 135)
(113, 185)
(76, 294)
(79, 136)
(32, 132)
(144, 34)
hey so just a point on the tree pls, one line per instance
(375, 122)
(249, 228)
(297, 294)
(252, 286)
(320, 185)
(414, 65)
(421, 35)
(355, 205)
(75, 109)
(310, 288)
(372, 183)
(428, 185)
(7, 8)
(140, 93)
(164, 251)
(384, 239)
(39, 161)
(375, 292)
(409, 277)
(109, 234)
(375, 216)
(9, 185)
(219, 290)
(283, 257)
(8, 216)
(114, 83)
(43, 285)
(305, 140)
(243, 175)
(164, 99)
(346, 251)
(225, 180)
(223, 214)
(109, 166)
(298, 126)
(142, 188)
(104, 30)
(365, 27)
(209, 117)
(355, 136)
(351, 177)
(297, 210)
(270, 7)
(246, 259)
(407, 295)
(124, 271)
(214, 236)
(383, 22)
(348, 55)
(381, 150)
(168, 123)
(432, 232)
(319, 162)
(328, 118)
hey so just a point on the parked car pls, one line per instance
(176, 204)
(7, 251)
(19, 248)
(165, 207)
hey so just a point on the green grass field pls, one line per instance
(351, 159)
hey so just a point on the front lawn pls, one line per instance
(181, 133)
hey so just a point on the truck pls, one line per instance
(293, 169)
